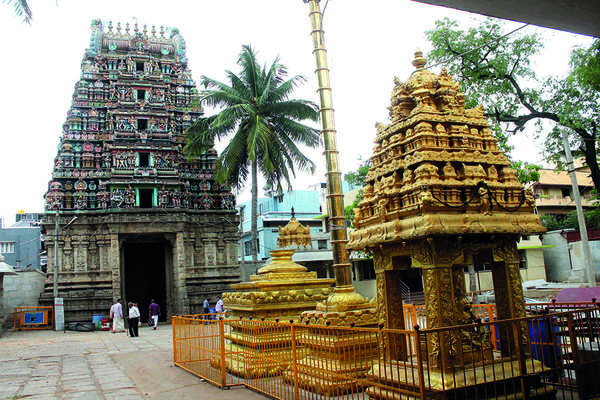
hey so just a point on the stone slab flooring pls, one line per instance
(43, 365)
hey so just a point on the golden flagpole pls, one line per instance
(344, 293)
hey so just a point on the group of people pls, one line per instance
(133, 317)
(218, 306)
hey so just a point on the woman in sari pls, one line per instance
(116, 314)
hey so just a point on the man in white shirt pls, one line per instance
(219, 305)
(133, 319)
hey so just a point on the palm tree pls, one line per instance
(266, 126)
(21, 9)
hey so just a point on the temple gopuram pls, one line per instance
(132, 217)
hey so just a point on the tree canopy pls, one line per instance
(494, 67)
(263, 124)
(356, 178)
(569, 221)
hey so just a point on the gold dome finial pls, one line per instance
(419, 61)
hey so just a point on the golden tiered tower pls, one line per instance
(439, 191)
(281, 290)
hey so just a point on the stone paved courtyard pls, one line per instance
(38, 365)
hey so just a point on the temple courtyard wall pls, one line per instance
(177, 257)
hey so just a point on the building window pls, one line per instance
(522, 259)
(7, 247)
(322, 244)
(139, 66)
(565, 192)
(141, 94)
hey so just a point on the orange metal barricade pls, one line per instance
(33, 318)
(540, 356)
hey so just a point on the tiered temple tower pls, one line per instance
(439, 194)
(150, 223)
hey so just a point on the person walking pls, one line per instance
(219, 305)
(206, 308)
(133, 319)
(116, 314)
(154, 312)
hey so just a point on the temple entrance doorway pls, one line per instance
(145, 265)
(413, 278)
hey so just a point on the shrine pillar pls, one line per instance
(508, 289)
(446, 304)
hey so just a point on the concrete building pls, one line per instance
(563, 255)
(21, 243)
(554, 194)
(274, 212)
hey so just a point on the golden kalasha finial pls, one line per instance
(110, 26)
(127, 28)
(135, 27)
(119, 28)
(153, 31)
(162, 31)
(145, 30)
(419, 61)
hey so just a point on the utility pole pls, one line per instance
(59, 310)
(344, 293)
(589, 274)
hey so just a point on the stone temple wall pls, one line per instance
(202, 261)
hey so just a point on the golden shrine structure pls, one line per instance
(439, 193)
(281, 290)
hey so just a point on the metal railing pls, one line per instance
(33, 318)
(541, 356)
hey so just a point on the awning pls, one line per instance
(312, 256)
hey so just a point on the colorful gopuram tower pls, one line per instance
(127, 214)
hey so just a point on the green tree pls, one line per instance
(495, 70)
(264, 125)
(526, 173)
(569, 221)
(21, 9)
(356, 178)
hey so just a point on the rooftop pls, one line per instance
(552, 177)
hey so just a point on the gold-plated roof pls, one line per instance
(294, 233)
(437, 170)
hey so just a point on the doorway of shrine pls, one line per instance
(413, 278)
(145, 261)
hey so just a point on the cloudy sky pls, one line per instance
(368, 42)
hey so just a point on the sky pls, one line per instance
(368, 44)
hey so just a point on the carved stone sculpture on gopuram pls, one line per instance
(150, 222)
(440, 192)
(281, 290)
